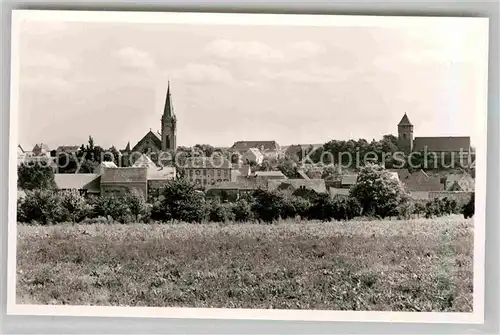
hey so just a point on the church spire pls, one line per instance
(169, 109)
(405, 121)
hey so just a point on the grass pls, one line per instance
(418, 265)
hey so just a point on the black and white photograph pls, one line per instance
(295, 166)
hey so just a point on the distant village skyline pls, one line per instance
(292, 85)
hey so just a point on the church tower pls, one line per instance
(168, 125)
(405, 135)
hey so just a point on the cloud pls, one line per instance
(245, 50)
(45, 61)
(258, 51)
(309, 75)
(42, 82)
(201, 73)
(135, 58)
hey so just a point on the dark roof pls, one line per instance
(261, 145)
(77, 181)
(207, 162)
(269, 174)
(317, 185)
(405, 121)
(70, 148)
(155, 138)
(419, 181)
(124, 174)
(441, 144)
(41, 146)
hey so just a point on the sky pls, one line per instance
(229, 83)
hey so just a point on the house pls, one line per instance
(85, 183)
(459, 182)
(231, 191)
(269, 175)
(124, 180)
(270, 149)
(100, 168)
(41, 149)
(292, 185)
(158, 178)
(240, 173)
(419, 181)
(144, 161)
(253, 155)
(338, 192)
(204, 171)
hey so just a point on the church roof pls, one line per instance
(404, 121)
(169, 108)
(155, 138)
(441, 144)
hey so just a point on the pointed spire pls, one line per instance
(405, 121)
(169, 110)
(127, 148)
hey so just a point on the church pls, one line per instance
(156, 142)
(438, 145)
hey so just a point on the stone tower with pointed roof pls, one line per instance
(405, 135)
(168, 124)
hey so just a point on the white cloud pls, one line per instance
(42, 82)
(311, 74)
(135, 58)
(45, 61)
(201, 73)
(258, 51)
(245, 50)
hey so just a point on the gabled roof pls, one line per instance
(405, 121)
(144, 161)
(261, 145)
(41, 147)
(153, 137)
(419, 181)
(124, 174)
(100, 168)
(463, 181)
(77, 181)
(269, 174)
(441, 144)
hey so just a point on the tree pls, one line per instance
(182, 202)
(74, 206)
(205, 149)
(268, 205)
(35, 177)
(468, 208)
(378, 193)
(42, 206)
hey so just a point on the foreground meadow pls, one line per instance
(417, 265)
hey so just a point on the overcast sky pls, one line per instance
(230, 83)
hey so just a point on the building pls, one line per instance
(205, 171)
(348, 180)
(269, 175)
(68, 149)
(85, 183)
(103, 165)
(292, 185)
(160, 141)
(124, 180)
(419, 181)
(270, 149)
(439, 145)
(253, 155)
(459, 182)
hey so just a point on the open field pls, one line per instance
(418, 265)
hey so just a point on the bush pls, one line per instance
(182, 202)
(301, 206)
(74, 206)
(378, 193)
(322, 208)
(268, 205)
(468, 208)
(113, 206)
(242, 210)
(440, 206)
(42, 206)
(220, 212)
(139, 209)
